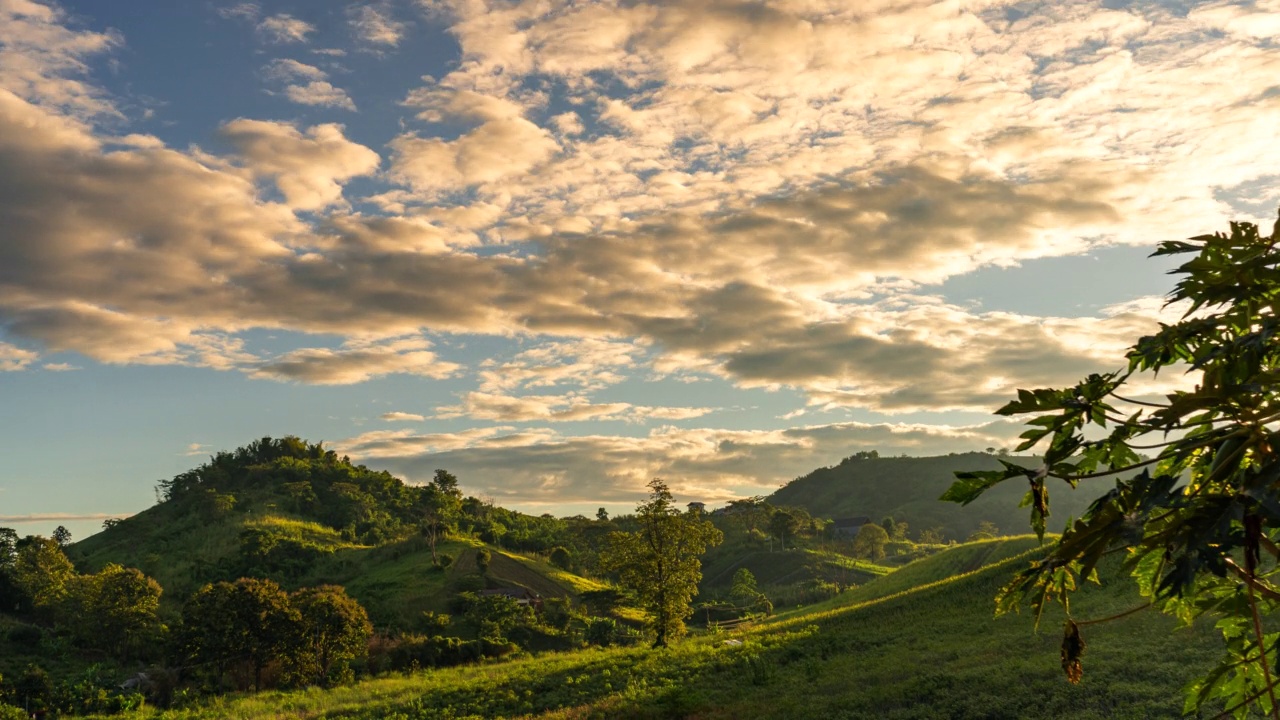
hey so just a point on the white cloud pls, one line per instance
(375, 25)
(284, 28)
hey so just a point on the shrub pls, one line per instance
(483, 556)
(561, 558)
(602, 631)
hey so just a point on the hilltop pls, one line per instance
(908, 488)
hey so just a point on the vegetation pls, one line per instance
(1198, 524)
(927, 652)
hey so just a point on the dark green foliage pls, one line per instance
(601, 631)
(418, 651)
(1199, 523)
(483, 556)
(561, 558)
(237, 628)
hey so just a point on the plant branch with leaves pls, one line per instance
(1198, 523)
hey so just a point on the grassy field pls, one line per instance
(885, 650)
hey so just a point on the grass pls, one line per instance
(923, 652)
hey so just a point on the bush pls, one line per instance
(483, 556)
(9, 712)
(561, 558)
(445, 560)
(602, 631)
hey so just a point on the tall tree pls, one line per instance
(1199, 523)
(660, 561)
(441, 504)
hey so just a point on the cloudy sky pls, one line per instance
(562, 246)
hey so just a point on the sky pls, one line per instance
(560, 247)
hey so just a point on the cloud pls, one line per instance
(373, 24)
(306, 84)
(60, 367)
(356, 362)
(196, 449)
(13, 358)
(308, 167)
(558, 408)
(42, 60)
(712, 465)
(398, 416)
(284, 28)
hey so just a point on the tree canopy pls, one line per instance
(1198, 523)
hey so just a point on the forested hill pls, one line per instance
(908, 488)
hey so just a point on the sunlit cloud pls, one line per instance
(397, 416)
(284, 28)
(374, 24)
(712, 464)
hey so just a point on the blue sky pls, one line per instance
(562, 247)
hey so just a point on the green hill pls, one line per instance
(908, 488)
(298, 514)
(930, 651)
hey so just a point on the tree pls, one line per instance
(870, 541)
(932, 536)
(115, 610)
(602, 515)
(561, 557)
(1197, 524)
(332, 631)
(890, 525)
(986, 530)
(743, 591)
(41, 572)
(250, 621)
(61, 535)
(784, 523)
(441, 504)
(660, 561)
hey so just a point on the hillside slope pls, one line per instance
(925, 653)
(908, 489)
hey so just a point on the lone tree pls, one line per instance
(1197, 524)
(870, 541)
(441, 504)
(660, 561)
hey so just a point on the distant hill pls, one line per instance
(908, 488)
(296, 513)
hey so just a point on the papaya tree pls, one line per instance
(1191, 477)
